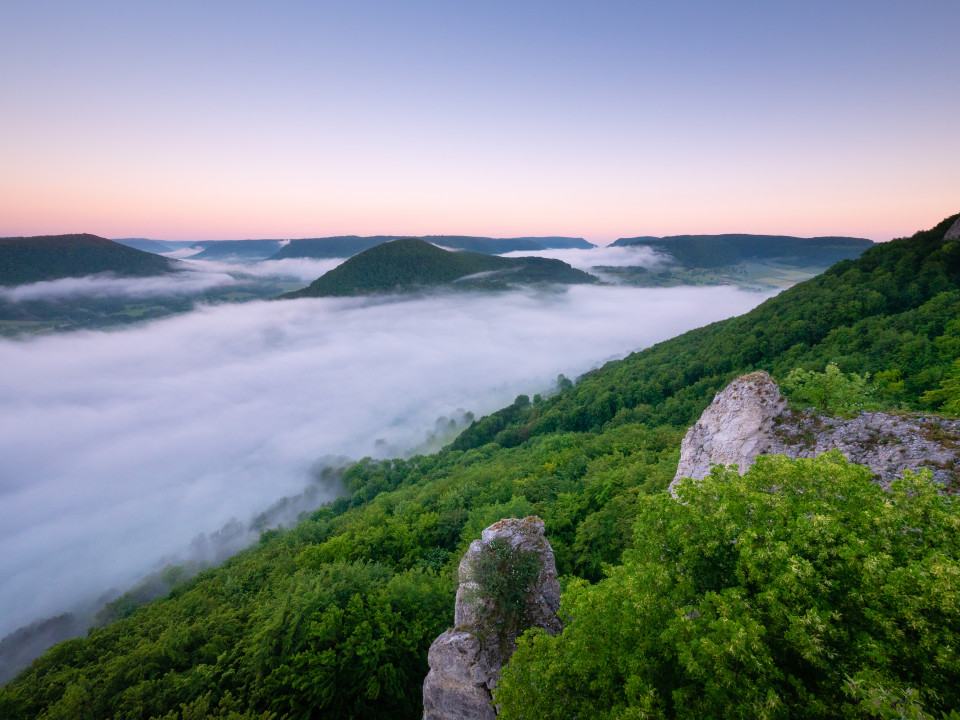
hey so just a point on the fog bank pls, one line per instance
(120, 447)
(621, 256)
(196, 278)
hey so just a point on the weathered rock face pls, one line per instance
(465, 661)
(954, 232)
(734, 428)
(751, 418)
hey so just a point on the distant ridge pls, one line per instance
(410, 264)
(157, 247)
(497, 246)
(705, 251)
(50, 257)
(339, 246)
(350, 245)
(236, 250)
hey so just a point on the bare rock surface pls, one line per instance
(465, 661)
(734, 428)
(750, 417)
(954, 232)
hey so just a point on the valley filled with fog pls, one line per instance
(120, 447)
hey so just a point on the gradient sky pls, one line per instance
(230, 119)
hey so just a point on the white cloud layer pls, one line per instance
(96, 286)
(119, 447)
(609, 256)
(305, 269)
(198, 277)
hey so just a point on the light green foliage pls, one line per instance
(485, 516)
(831, 391)
(829, 599)
(947, 396)
(798, 590)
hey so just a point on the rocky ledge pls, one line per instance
(750, 417)
(465, 661)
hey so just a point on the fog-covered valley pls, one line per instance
(120, 447)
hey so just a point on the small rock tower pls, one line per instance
(508, 583)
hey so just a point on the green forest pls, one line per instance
(826, 599)
(411, 264)
(752, 261)
(49, 257)
(711, 251)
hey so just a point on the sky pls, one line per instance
(120, 448)
(597, 119)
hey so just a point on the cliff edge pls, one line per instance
(750, 417)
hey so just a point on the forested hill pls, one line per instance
(709, 251)
(498, 246)
(413, 264)
(341, 246)
(333, 618)
(894, 312)
(49, 257)
(349, 245)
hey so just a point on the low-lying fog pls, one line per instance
(196, 277)
(120, 447)
(619, 256)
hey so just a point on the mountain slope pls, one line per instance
(411, 264)
(708, 251)
(333, 618)
(49, 257)
(892, 312)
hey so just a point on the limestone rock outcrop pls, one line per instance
(750, 417)
(465, 661)
(954, 232)
(734, 428)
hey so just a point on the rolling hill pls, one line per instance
(50, 257)
(349, 245)
(334, 616)
(411, 264)
(711, 251)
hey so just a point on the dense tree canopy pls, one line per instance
(333, 617)
(801, 589)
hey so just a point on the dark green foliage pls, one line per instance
(504, 574)
(49, 257)
(892, 313)
(333, 618)
(710, 251)
(801, 590)
(412, 264)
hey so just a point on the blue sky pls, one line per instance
(603, 119)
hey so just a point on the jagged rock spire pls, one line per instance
(465, 661)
